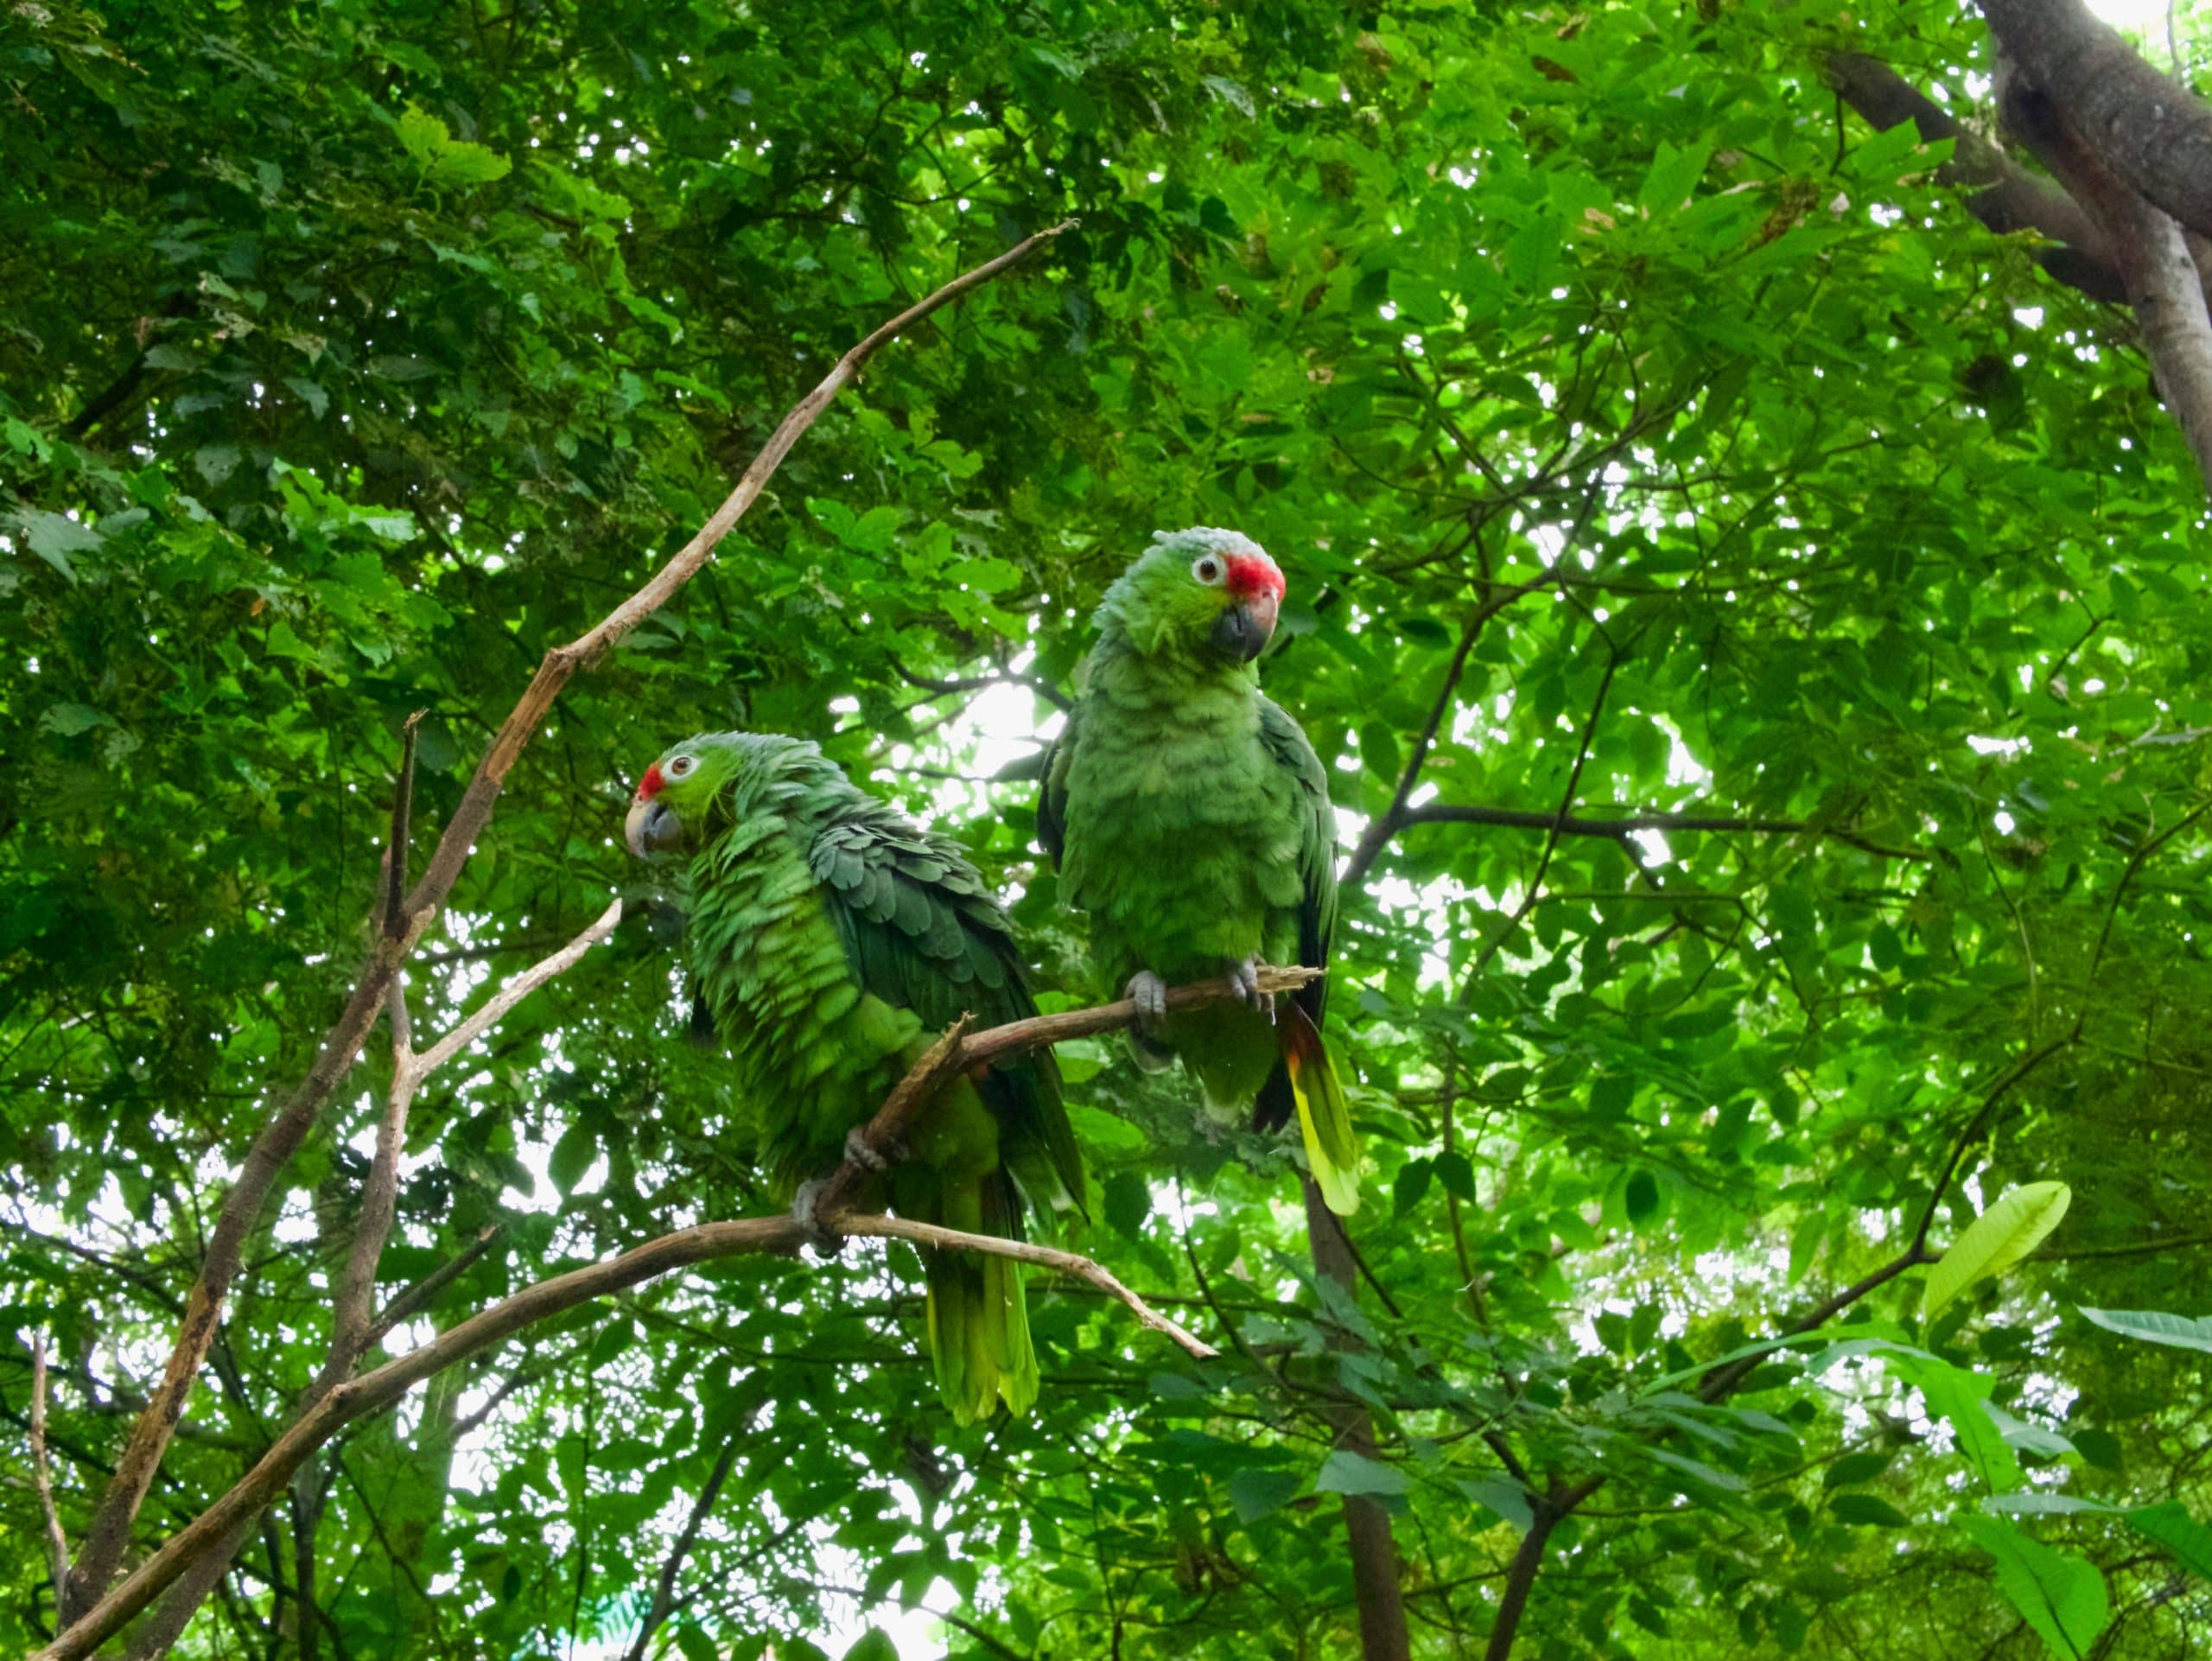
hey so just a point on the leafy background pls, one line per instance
(1622, 411)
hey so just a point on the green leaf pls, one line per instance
(1960, 1397)
(2153, 1327)
(460, 164)
(1641, 1196)
(2061, 1596)
(55, 537)
(1870, 1511)
(1698, 1471)
(1854, 1469)
(2037, 1504)
(1128, 1201)
(71, 719)
(571, 1156)
(1674, 174)
(1413, 1177)
(444, 160)
(1994, 1241)
(1503, 1495)
(875, 1645)
(2189, 1540)
(1345, 1472)
(1457, 1173)
(1255, 1493)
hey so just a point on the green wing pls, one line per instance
(1285, 744)
(922, 933)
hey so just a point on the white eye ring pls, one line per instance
(679, 767)
(1210, 570)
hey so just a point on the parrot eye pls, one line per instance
(1209, 569)
(679, 767)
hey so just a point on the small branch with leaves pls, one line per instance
(957, 1052)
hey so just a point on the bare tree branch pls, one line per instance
(1623, 828)
(1027, 1251)
(2010, 197)
(2149, 247)
(354, 1325)
(403, 825)
(495, 1010)
(664, 1588)
(418, 1297)
(57, 1543)
(2154, 134)
(109, 1533)
(369, 1392)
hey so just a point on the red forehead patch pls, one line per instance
(1255, 573)
(649, 786)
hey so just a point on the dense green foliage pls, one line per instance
(1618, 408)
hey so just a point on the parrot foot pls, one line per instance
(1149, 993)
(863, 1152)
(1246, 975)
(826, 1241)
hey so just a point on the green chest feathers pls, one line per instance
(1183, 832)
(814, 1054)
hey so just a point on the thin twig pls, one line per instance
(474, 1026)
(57, 1543)
(403, 824)
(664, 1588)
(417, 1296)
(960, 1051)
(1027, 1251)
(1559, 821)
(1623, 828)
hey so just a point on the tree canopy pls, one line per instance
(1747, 581)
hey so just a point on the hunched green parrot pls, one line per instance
(830, 940)
(1190, 818)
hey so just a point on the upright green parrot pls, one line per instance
(1191, 819)
(830, 941)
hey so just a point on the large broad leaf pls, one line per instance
(1346, 1472)
(2155, 1326)
(1961, 1398)
(1996, 1240)
(2060, 1595)
(1256, 1491)
(2189, 1540)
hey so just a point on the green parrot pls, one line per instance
(830, 939)
(1190, 818)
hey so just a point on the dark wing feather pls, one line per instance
(921, 933)
(1287, 745)
(1052, 796)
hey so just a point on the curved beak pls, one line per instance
(1246, 628)
(653, 827)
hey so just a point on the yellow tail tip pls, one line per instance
(1323, 1115)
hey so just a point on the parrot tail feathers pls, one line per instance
(1323, 1109)
(978, 1317)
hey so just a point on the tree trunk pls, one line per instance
(1367, 1525)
